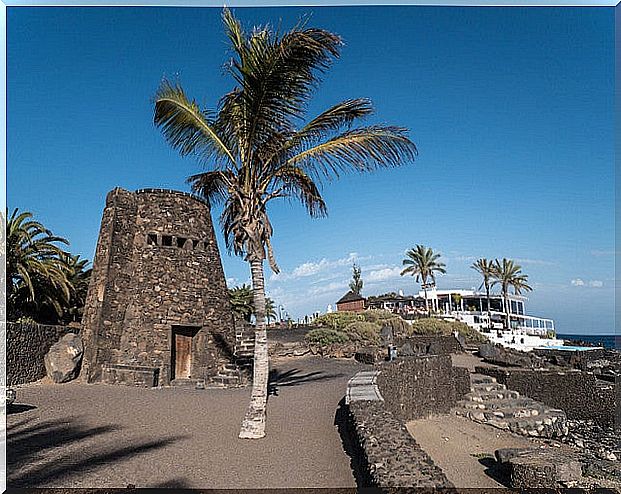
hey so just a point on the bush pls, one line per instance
(441, 327)
(368, 332)
(338, 320)
(325, 337)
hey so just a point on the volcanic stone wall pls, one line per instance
(26, 345)
(416, 387)
(577, 393)
(157, 265)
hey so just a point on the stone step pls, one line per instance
(226, 381)
(548, 425)
(488, 387)
(481, 378)
(501, 404)
(186, 383)
(492, 395)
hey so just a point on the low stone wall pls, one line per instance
(409, 388)
(577, 393)
(417, 387)
(26, 345)
(388, 454)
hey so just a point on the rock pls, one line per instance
(544, 469)
(62, 361)
(505, 454)
(387, 335)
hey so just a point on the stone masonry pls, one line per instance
(158, 298)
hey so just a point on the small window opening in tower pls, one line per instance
(167, 240)
(152, 239)
(181, 242)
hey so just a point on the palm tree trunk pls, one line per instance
(253, 426)
(489, 307)
(426, 302)
(506, 307)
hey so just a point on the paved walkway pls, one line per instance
(77, 435)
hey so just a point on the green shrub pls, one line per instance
(434, 326)
(338, 320)
(367, 332)
(326, 336)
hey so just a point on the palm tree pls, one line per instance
(36, 273)
(242, 302)
(487, 269)
(270, 310)
(78, 277)
(423, 263)
(508, 274)
(256, 150)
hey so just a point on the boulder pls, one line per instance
(544, 470)
(62, 361)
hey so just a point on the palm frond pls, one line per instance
(186, 127)
(363, 149)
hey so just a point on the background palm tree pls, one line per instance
(270, 310)
(508, 274)
(423, 263)
(78, 276)
(242, 302)
(487, 269)
(36, 274)
(256, 150)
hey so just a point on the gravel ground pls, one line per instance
(84, 436)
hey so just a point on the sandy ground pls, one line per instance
(77, 435)
(460, 446)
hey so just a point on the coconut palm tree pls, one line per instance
(257, 149)
(36, 273)
(508, 275)
(487, 269)
(423, 263)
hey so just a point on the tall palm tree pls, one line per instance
(508, 275)
(35, 269)
(423, 263)
(256, 149)
(487, 269)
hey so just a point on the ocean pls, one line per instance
(605, 340)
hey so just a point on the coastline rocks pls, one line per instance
(62, 361)
(506, 357)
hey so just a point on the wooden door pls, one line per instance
(182, 352)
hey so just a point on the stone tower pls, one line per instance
(157, 309)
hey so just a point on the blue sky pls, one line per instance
(512, 111)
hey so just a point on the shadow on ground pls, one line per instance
(357, 461)
(294, 377)
(19, 408)
(495, 470)
(51, 451)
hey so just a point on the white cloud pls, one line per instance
(590, 283)
(312, 268)
(336, 286)
(538, 262)
(382, 274)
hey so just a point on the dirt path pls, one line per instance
(77, 435)
(464, 449)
